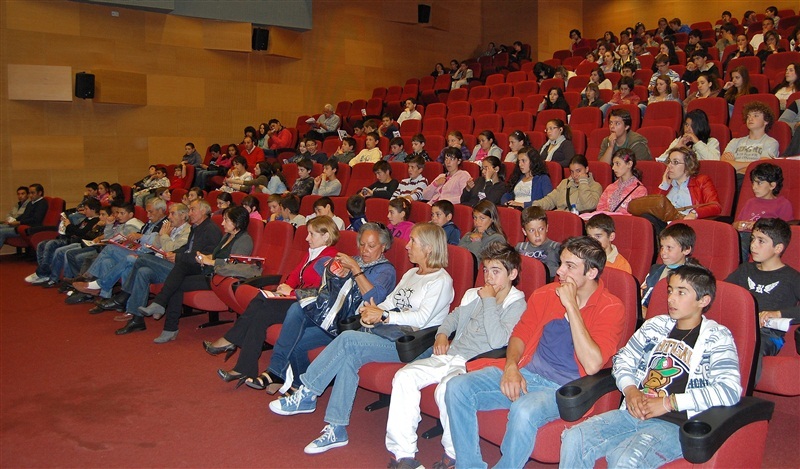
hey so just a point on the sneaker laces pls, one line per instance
(328, 434)
(294, 399)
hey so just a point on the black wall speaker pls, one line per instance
(423, 14)
(260, 38)
(84, 85)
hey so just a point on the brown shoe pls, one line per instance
(83, 287)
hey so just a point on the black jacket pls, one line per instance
(203, 237)
(34, 213)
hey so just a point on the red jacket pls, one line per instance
(702, 191)
(603, 316)
(310, 277)
(282, 139)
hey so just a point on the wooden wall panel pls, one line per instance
(39, 82)
(223, 35)
(34, 152)
(553, 28)
(115, 87)
(174, 30)
(169, 150)
(96, 21)
(59, 17)
(166, 90)
(285, 43)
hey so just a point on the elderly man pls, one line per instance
(326, 126)
(147, 270)
(114, 264)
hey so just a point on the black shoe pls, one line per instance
(111, 304)
(65, 287)
(229, 349)
(50, 284)
(134, 325)
(229, 376)
(78, 298)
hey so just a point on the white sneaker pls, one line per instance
(32, 278)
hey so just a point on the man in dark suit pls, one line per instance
(33, 215)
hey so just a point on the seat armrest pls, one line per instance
(264, 281)
(575, 398)
(410, 346)
(495, 353)
(702, 435)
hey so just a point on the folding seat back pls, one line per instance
(458, 94)
(525, 88)
(508, 105)
(646, 62)
(491, 122)
(379, 92)
(501, 90)
(420, 212)
(562, 54)
(579, 142)
(548, 114)
(462, 218)
(432, 169)
(442, 83)
(563, 225)
(464, 124)
(716, 246)
(715, 108)
(426, 83)
(555, 171)
(461, 265)
(410, 90)
(361, 176)
(399, 170)
(760, 82)
(494, 79)
(531, 103)
(434, 144)
(614, 78)
(374, 107)
(343, 108)
(634, 240)
(478, 92)
(435, 110)
(290, 173)
(601, 172)
(737, 120)
(658, 138)
(571, 63)
(577, 83)
(777, 63)
(377, 210)
(791, 187)
(471, 167)
(307, 204)
(459, 108)
(511, 222)
(501, 139)
(752, 64)
(586, 119)
(781, 132)
(666, 113)
(435, 126)
(573, 99)
(652, 173)
(482, 106)
(596, 137)
(722, 133)
(515, 77)
(549, 83)
(410, 127)
(393, 93)
(585, 68)
(521, 120)
(537, 138)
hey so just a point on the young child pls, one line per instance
(356, 206)
(323, 207)
(486, 228)
(767, 182)
(418, 147)
(371, 153)
(251, 204)
(399, 211)
(775, 285)
(442, 215)
(304, 183)
(274, 206)
(411, 187)
(346, 151)
(326, 184)
(397, 151)
(176, 181)
(482, 322)
(538, 245)
(358, 129)
(676, 243)
(290, 210)
(388, 126)
(385, 186)
(601, 227)
(674, 367)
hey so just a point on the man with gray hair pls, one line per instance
(326, 125)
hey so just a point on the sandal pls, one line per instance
(265, 381)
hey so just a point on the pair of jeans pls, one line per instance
(76, 258)
(470, 393)
(59, 260)
(114, 263)
(44, 255)
(146, 271)
(341, 360)
(622, 439)
(250, 330)
(7, 231)
(298, 336)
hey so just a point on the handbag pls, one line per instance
(240, 267)
(656, 205)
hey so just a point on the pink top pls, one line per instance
(451, 189)
(756, 208)
(401, 230)
(612, 197)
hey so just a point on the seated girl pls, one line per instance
(529, 181)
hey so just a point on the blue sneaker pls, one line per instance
(333, 436)
(301, 401)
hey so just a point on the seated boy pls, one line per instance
(775, 285)
(756, 145)
(411, 187)
(442, 215)
(345, 152)
(312, 153)
(388, 126)
(385, 186)
(399, 226)
(176, 180)
(601, 227)
(537, 245)
(695, 365)
(418, 147)
(397, 151)
(482, 322)
(290, 210)
(371, 153)
(274, 206)
(356, 208)
(676, 243)
(323, 207)
(304, 183)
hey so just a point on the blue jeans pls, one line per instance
(622, 439)
(59, 260)
(146, 270)
(480, 390)
(75, 259)
(44, 255)
(341, 360)
(298, 336)
(113, 263)
(7, 231)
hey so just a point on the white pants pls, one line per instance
(404, 413)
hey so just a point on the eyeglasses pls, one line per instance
(675, 162)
